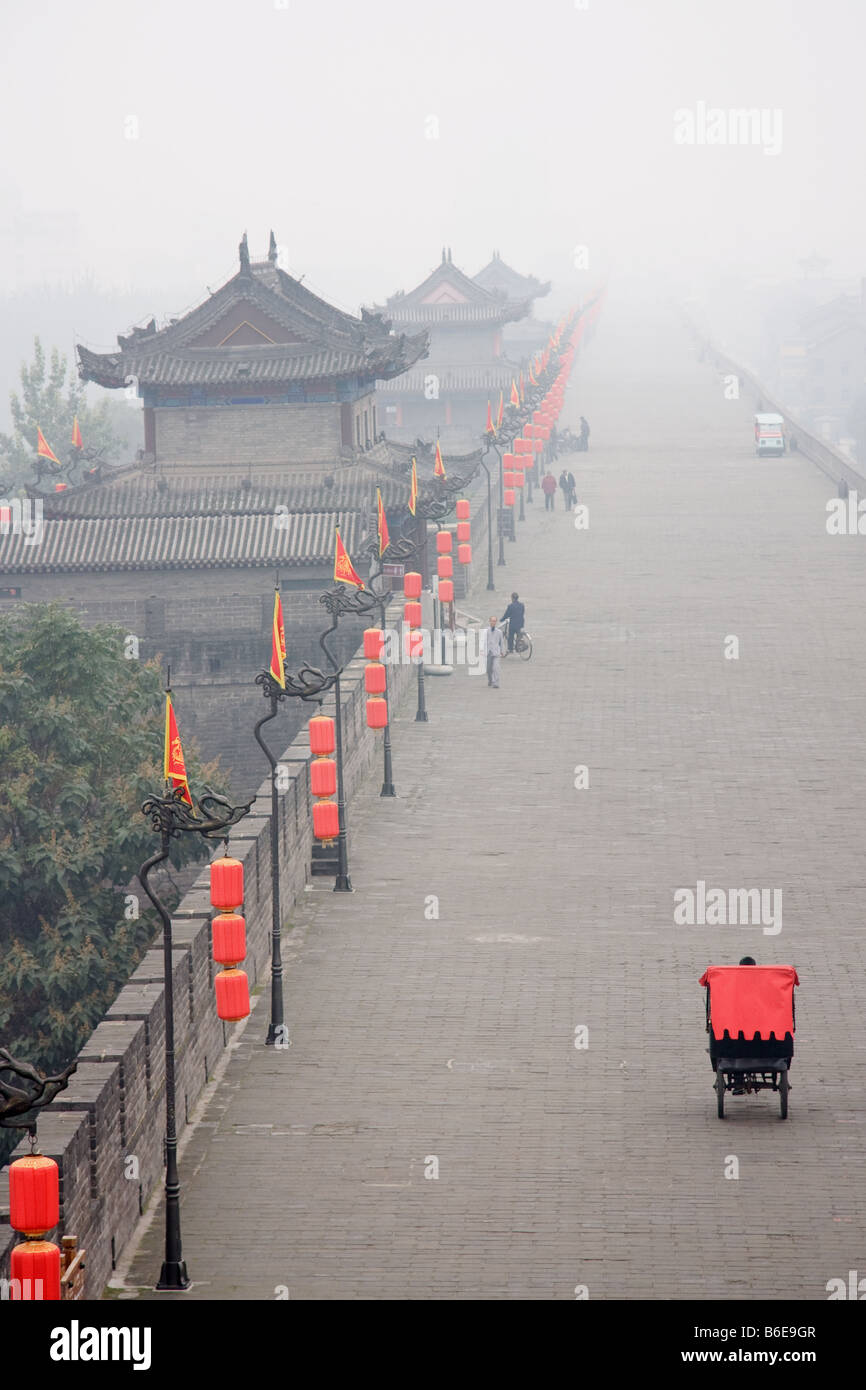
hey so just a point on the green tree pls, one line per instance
(81, 731)
(51, 402)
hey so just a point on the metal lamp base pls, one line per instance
(173, 1278)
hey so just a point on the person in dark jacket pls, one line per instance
(584, 434)
(548, 487)
(563, 483)
(515, 613)
(571, 495)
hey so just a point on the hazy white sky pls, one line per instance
(555, 130)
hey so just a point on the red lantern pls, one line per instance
(539, 445)
(545, 432)
(412, 584)
(509, 497)
(374, 678)
(374, 641)
(446, 589)
(34, 1195)
(322, 740)
(523, 446)
(464, 554)
(377, 713)
(519, 478)
(508, 461)
(323, 777)
(226, 883)
(445, 567)
(35, 1268)
(443, 542)
(463, 512)
(232, 995)
(416, 644)
(326, 820)
(509, 479)
(464, 531)
(229, 938)
(412, 614)
(537, 418)
(60, 487)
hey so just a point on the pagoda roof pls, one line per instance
(73, 545)
(500, 278)
(450, 296)
(262, 326)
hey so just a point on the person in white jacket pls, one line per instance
(495, 648)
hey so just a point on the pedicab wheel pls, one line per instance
(720, 1092)
(783, 1094)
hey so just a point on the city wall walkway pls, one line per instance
(418, 1037)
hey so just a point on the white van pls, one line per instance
(769, 436)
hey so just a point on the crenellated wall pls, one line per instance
(106, 1130)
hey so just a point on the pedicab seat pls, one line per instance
(750, 1016)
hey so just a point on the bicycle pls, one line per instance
(522, 644)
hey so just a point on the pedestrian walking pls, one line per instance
(572, 490)
(563, 483)
(548, 487)
(515, 614)
(495, 644)
(584, 433)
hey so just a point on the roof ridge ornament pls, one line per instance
(272, 249)
(244, 255)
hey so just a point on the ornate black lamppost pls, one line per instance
(398, 551)
(339, 602)
(171, 816)
(488, 439)
(308, 684)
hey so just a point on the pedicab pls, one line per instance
(750, 1020)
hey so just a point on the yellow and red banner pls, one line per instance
(278, 643)
(381, 524)
(515, 394)
(490, 427)
(413, 487)
(174, 767)
(499, 412)
(43, 448)
(344, 570)
(76, 435)
(439, 466)
(532, 375)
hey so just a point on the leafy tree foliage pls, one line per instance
(81, 739)
(51, 402)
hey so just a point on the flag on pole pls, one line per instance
(499, 412)
(44, 449)
(439, 466)
(76, 435)
(532, 375)
(522, 386)
(490, 427)
(515, 394)
(278, 643)
(344, 570)
(413, 486)
(174, 767)
(382, 524)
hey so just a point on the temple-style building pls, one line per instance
(447, 396)
(521, 337)
(263, 374)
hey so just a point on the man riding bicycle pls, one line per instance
(515, 614)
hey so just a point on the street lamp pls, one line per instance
(171, 816)
(307, 684)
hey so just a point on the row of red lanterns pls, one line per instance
(323, 778)
(375, 678)
(34, 1210)
(229, 938)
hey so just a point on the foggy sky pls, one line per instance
(555, 130)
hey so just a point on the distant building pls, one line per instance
(822, 367)
(263, 374)
(522, 337)
(466, 366)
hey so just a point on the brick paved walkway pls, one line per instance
(454, 1037)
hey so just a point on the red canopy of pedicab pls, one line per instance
(751, 999)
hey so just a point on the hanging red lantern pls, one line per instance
(545, 432)
(508, 479)
(464, 554)
(374, 641)
(323, 777)
(415, 644)
(377, 713)
(537, 418)
(412, 614)
(34, 1195)
(60, 487)
(464, 531)
(232, 995)
(374, 678)
(445, 567)
(463, 512)
(446, 589)
(443, 542)
(523, 446)
(508, 461)
(229, 938)
(412, 584)
(322, 736)
(509, 497)
(35, 1269)
(326, 820)
(519, 478)
(226, 883)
